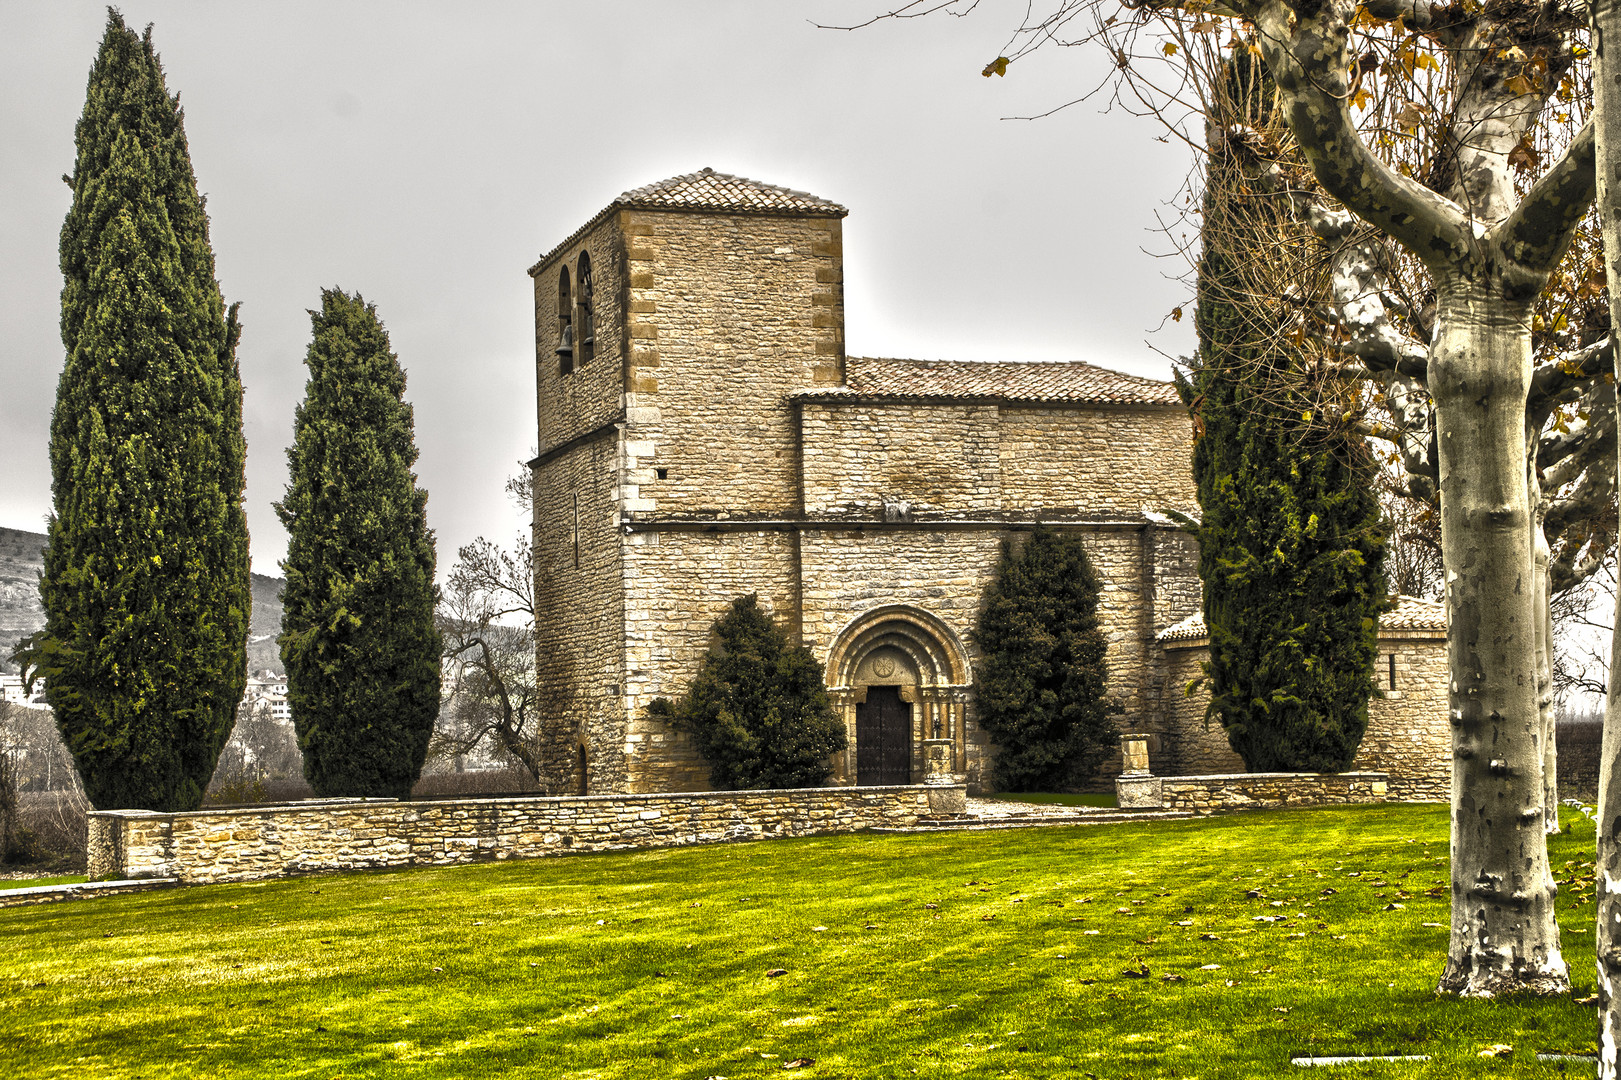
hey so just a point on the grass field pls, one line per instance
(33, 882)
(993, 954)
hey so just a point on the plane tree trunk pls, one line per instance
(1489, 256)
(1606, 16)
(1503, 932)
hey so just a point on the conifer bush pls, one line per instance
(145, 584)
(758, 710)
(358, 637)
(1042, 676)
(1291, 550)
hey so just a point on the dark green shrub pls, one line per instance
(758, 709)
(358, 637)
(1041, 679)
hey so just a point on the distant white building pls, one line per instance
(12, 690)
(272, 692)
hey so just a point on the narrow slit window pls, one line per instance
(1390, 667)
(565, 324)
(576, 531)
(588, 322)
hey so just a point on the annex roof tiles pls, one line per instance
(1048, 381)
(1410, 613)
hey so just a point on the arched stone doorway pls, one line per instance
(897, 675)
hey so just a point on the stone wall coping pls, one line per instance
(276, 808)
(81, 890)
(1209, 777)
(326, 805)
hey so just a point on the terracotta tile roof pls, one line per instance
(1410, 613)
(703, 190)
(710, 190)
(1191, 628)
(871, 377)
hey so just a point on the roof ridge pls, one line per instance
(707, 191)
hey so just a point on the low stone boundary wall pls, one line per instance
(267, 842)
(1251, 791)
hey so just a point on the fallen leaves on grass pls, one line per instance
(798, 1063)
(1501, 1050)
(1172, 978)
(775, 973)
(1139, 972)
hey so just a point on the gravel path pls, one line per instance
(1003, 808)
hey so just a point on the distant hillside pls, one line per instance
(20, 613)
(21, 560)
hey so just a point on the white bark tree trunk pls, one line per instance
(1541, 559)
(1503, 933)
(1607, 933)
(1489, 258)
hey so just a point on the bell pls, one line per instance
(566, 346)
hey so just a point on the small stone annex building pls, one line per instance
(703, 435)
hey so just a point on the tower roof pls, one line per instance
(708, 191)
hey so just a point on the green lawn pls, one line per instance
(991, 954)
(30, 883)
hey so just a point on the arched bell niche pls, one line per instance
(897, 675)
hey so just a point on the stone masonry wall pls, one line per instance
(250, 845)
(1121, 459)
(976, 460)
(943, 459)
(578, 618)
(676, 584)
(727, 316)
(1252, 791)
(1408, 734)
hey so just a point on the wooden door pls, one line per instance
(883, 738)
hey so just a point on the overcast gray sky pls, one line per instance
(425, 154)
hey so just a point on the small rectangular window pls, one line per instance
(662, 474)
(1390, 661)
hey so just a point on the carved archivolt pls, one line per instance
(926, 644)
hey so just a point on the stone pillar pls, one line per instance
(937, 763)
(1134, 755)
(947, 798)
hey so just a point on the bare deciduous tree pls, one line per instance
(487, 619)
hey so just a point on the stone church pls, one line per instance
(703, 434)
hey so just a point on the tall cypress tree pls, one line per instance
(1291, 551)
(358, 637)
(145, 585)
(1042, 676)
